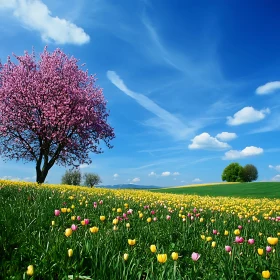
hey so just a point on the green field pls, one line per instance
(252, 190)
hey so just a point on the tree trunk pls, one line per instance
(41, 175)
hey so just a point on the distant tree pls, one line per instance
(51, 112)
(91, 179)
(249, 173)
(72, 177)
(232, 172)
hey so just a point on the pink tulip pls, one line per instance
(268, 249)
(168, 217)
(101, 202)
(95, 204)
(155, 219)
(239, 239)
(228, 248)
(195, 256)
(240, 227)
(78, 218)
(124, 215)
(153, 212)
(215, 231)
(251, 241)
(86, 221)
(56, 212)
(74, 227)
(194, 210)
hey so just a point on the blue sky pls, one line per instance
(191, 86)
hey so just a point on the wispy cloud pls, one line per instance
(35, 15)
(135, 180)
(247, 152)
(247, 115)
(268, 88)
(164, 121)
(272, 124)
(276, 178)
(277, 167)
(152, 174)
(197, 180)
(165, 173)
(226, 136)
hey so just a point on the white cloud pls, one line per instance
(276, 178)
(277, 167)
(152, 174)
(182, 181)
(226, 136)
(247, 152)
(135, 180)
(206, 142)
(116, 175)
(175, 179)
(247, 115)
(197, 180)
(268, 88)
(35, 15)
(176, 173)
(164, 121)
(84, 165)
(166, 173)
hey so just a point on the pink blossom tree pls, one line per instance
(51, 112)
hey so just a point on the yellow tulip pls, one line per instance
(266, 274)
(83, 223)
(63, 210)
(115, 228)
(68, 210)
(115, 221)
(201, 220)
(72, 206)
(202, 237)
(70, 253)
(119, 210)
(272, 240)
(140, 215)
(174, 256)
(125, 256)
(162, 258)
(127, 225)
(94, 229)
(68, 232)
(209, 238)
(30, 270)
(73, 218)
(213, 244)
(53, 223)
(102, 218)
(260, 251)
(237, 232)
(226, 233)
(149, 219)
(131, 242)
(153, 248)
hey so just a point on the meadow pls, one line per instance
(248, 190)
(67, 232)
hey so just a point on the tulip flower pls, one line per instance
(127, 225)
(140, 215)
(155, 219)
(63, 210)
(214, 244)
(73, 218)
(115, 221)
(195, 256)
(174, 256)
(251, 241)
(53, 223)
(272, 240)
(239, 227)
(115, 228)
(131, 242)
(266, 274)
(153, 248)
(215, 231)
(168, 217)
(86, 221)
(70, 253)
(78, 218)
(94, 229)
(237, 232)
(268, 249)
(162, 258)
(149, 219)
(228, 248)
(201, 220)
(202, 237)
(68, 232)
(30, 270)
(226, 233)
(102, 218)
(119, 210)
(125, 256)
(56, 212)
(74, 227)
(83, 223)
(260, 251)
(209, 238)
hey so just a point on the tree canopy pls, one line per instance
(72, 177)
(51, 112)
(232, 172)
(249, 173)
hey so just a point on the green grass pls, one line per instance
(252, 190)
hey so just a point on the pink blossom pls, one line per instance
(268, 249)
(168, 217)
(215, 231)
(251, 241)
(239, 239)
(74, 227)
(101, 202)
(78, 218)
(155, 219)
(153, 212)
(228, 248)
(240, 227)
(86, 221)
(195, 256)
(56, 212)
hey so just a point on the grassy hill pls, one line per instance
(252, 190)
